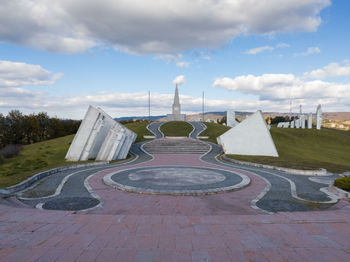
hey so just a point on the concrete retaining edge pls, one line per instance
(35, 178)
(320, 172)
(339, 192)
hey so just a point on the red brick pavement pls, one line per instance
(137, 227)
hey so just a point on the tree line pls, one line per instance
(17, 128)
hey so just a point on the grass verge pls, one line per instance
(140, 128)
(343, 183)
(35, 158)
(307, 149)
(213, 131)
(176, 128)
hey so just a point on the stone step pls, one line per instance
(176, 146)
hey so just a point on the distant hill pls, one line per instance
(139, 118)
(338, 116)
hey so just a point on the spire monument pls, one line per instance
(176, 114)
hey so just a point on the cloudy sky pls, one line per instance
(60, 56)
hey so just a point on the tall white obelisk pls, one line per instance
(176, 114)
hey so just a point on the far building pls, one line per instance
(176, 115)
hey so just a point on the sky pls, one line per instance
(61, 56)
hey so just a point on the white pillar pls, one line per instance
(318, 117)
(309, 121)
(302, 120)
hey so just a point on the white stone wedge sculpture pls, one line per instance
(318, 117)
(100, 137)
(292, 124)
(309, 121)
(231, 118)
(250, 137)
(297, 123)
(280, 124)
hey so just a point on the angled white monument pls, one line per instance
(100, 137)
(297, 123)
(231, 118)
(249, 137)
(318, 117)
(176, 114)
(309, 121)
(292, 124)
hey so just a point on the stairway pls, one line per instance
(176, 146)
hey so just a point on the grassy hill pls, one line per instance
(35, 158)
(213, 131)
(300, 148)
(308, 149)
(46, 155)
(176, 128)
(140, 128)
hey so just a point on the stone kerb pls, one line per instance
(35, 178)
(339, 192)
(320, 172)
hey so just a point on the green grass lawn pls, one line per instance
(140, 129)
(35, 158)
(308, 149)
(213, 131)
(176, 128)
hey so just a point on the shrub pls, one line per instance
(343, 183)
(10, 151)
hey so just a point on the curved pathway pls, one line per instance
(198, 128)
(154, 128)
(279, 191)
(137, 227)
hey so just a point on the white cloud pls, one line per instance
(14, 74)
(261, 49)
(258, 50)
(309, 51)
(179, 80)
(177, 59)
(150, 26)
(274, 87)
(282, 45)
(119, 104)
(330, 70)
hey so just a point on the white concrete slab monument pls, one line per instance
(302, 121)
(100, 137)
(309, 121)
(318, 117)
(292, 124)
(249, 137)
(285, 124)
(231, 118)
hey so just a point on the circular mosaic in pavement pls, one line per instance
(71, 203)
(176, 180)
